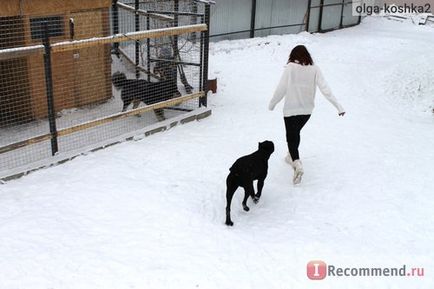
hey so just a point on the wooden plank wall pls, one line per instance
(80, 77)
(48, 7)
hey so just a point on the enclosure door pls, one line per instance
(15, 104)
(91, 65)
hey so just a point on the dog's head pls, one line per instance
(118, 79)
(266, 146)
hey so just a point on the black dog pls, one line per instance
(242, 174)
(139, 90)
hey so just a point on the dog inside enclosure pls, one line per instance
(244, 172)
(140, 90)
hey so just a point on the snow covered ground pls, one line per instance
(150, 213)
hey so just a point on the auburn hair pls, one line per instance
(300, 55)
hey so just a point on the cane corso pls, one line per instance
(242, 174)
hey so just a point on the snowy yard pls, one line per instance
(150, 213)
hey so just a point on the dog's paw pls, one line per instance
(246, 208)
(229, 223)
(256, 199)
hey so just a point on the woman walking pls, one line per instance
(298, 86)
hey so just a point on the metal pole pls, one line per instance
(137, 24)
(202, 38)
(71, 28)
(49, 88)
(115, 22)
(148, 49)
(253, 19)
(320, 16)
(193, 20)
(176, 23)
(309, 4)
(342, 14)
(203, 100)
(176, 55)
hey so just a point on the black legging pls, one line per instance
(293, 126)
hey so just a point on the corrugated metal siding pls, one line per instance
(348, 18)
(230, 16)
(232, 19)
(331, 15)
(271, 13)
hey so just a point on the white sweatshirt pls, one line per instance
(298, 85)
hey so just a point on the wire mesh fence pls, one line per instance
(79, 73)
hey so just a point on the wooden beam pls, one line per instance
(145, 13)
(121, 115)
(57, 7)
(20, 144)
(100, 121)
(16, 52)
(9, 53)
(155, 33)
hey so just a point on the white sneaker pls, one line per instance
(288, 159)
(298, 172)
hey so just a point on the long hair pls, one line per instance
(300, 55)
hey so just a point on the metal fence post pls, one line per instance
(176, 56)
(253, 19)
(49, 88)
(137, 28)
(309, 4)
(320, 15)
(342, 14)
(203, 101)
(115, 24)
(202, 41)
(148, 49)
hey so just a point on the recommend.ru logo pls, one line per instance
(318, 270)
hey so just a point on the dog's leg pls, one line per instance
(124, 107)
(231, 187)
(246, 196)
(159, 113)
(248, 191)
(136, 103)
(260, 186)
(126, 100)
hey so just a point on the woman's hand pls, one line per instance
(342, 113)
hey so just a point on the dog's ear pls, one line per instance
(271, 147)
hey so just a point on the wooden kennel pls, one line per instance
(80, 77)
